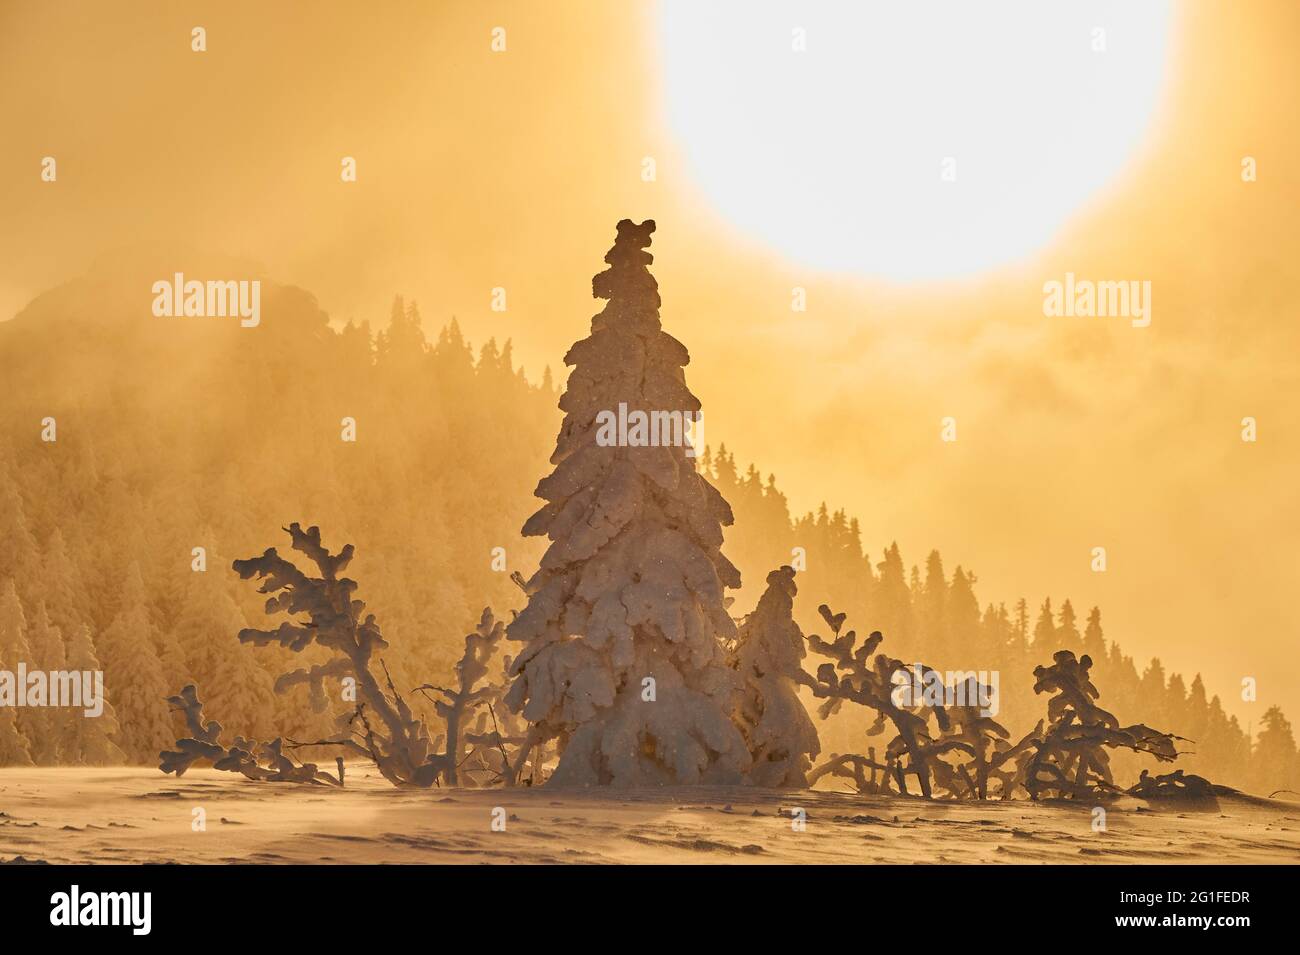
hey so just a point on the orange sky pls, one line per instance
(479, 170)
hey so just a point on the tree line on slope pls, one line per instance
(931, 615)
(170, 452)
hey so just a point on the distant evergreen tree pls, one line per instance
(998, 630)
(725, 469)
(1235, 745)
(89, 740)
(1274, 756)
(19, 551)
(963, 621)
(1045, 630)
(1152, 691)
(239, 687)
(894, 610)
(1198, 709)
(1067, 629)
(15, 748)
(1020, 630)
(61, 587)
(133, 675)
(1094, 641)
(1176, 704)
(933, 612)
(241, 690)
(45, 726)
(401, 346)
(489, 359)
(171, 658)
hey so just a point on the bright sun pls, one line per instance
(911, 140)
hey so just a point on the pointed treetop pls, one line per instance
(627, 281)
(630, 238)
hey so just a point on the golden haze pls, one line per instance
(478, 172)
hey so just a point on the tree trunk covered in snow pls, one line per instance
(623, 662)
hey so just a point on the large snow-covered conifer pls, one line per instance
(624, 664)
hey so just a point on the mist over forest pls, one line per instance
(176, 434)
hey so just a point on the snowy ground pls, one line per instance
(139, 815)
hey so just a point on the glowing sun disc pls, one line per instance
(910, 140)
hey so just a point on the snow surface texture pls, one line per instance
(134, 815)
(624, 663)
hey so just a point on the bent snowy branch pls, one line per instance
(265, 762)
(399, 744)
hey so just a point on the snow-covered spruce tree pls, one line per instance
(769, 650)
(46, 726)
(623, 664)
(133, 675)
(92, 739)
